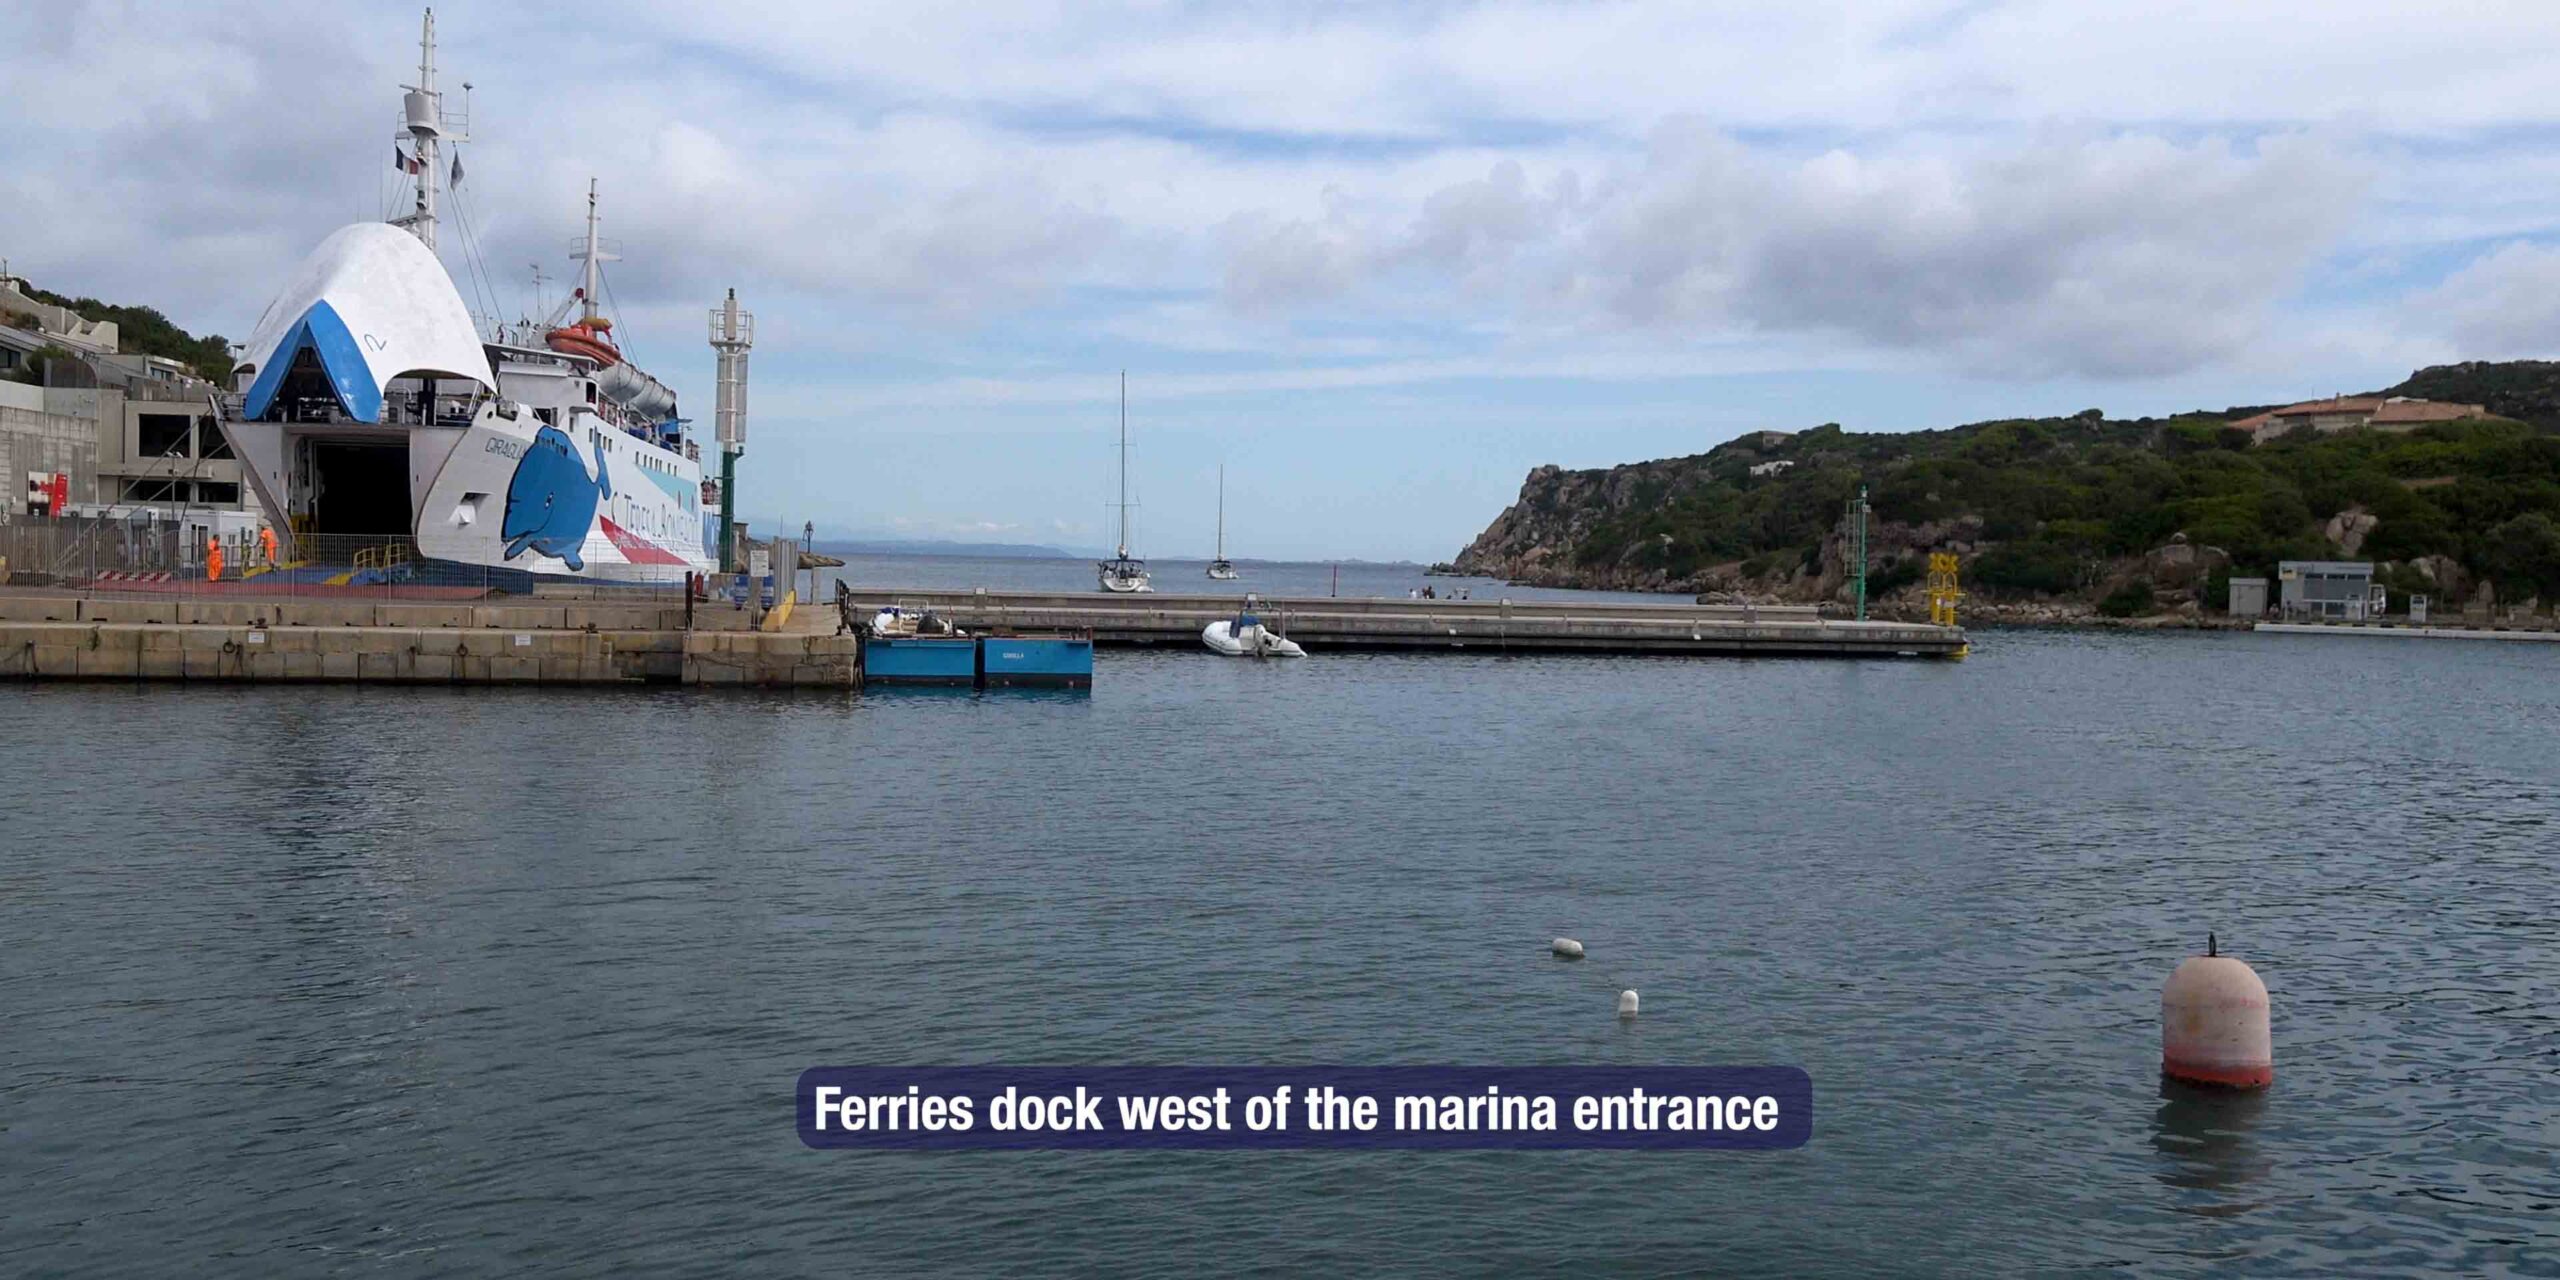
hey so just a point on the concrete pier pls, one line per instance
(2407, 631)
(79, 637)
(1496, 626)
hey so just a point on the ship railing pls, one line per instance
(384, 557)
(445, 411)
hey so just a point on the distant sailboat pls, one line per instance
(1219, 568)
(1124, 574)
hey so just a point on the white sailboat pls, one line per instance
(1123, 574)
(1219, 568)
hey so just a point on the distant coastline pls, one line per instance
(946, 549)
(941, 547)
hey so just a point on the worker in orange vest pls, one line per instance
(267, 540)
(213, 560)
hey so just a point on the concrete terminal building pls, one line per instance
(128, 433)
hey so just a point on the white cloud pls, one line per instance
(2117, 256)
(1385, 69)
(2072, 253)
(1276, 262)
(1349, 196)
(2503, 305)
(1584, 361)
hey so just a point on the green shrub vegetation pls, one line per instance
(2524, 555)
(31, 370)
(2132, 600)
(145, 330)
(2057, 498)
(1895, 575)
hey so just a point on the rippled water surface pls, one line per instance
(400, 982)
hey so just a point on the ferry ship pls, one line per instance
(369, 408)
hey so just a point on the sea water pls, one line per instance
(380, 981)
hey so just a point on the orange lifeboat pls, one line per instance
(590, 338)
(618, 379)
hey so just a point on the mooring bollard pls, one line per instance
(2213, 1023)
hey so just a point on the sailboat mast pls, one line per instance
(1124, 464)
(1222, 511)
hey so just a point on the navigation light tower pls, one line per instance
(732, 332)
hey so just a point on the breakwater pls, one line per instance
(2410, 631)
(1515, 626)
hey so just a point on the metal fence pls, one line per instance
(42, 550)
(198, 560)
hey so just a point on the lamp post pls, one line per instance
(1857, 548)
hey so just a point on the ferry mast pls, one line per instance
(425, 128)
(590, 253)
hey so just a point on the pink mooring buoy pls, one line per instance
(2213, 1023)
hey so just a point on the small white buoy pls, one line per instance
(1627, 1003)
(1567, 947)
(2213, 1023)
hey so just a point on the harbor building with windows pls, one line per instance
(2343, 590)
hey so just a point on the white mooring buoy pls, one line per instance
(1566, 947)
(1627, 1003)
(2213, 1023)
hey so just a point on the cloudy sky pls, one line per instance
(1378, 260)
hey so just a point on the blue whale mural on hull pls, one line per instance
(551, 502)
